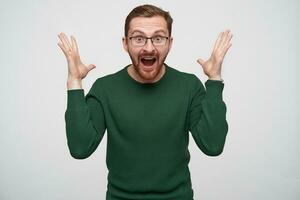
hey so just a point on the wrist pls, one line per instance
(216, 78)
(74, 84)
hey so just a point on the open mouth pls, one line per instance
(148, 63)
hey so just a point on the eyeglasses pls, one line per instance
(140, 41)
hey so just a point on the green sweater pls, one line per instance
(148, 127)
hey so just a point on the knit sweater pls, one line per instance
(148, 127)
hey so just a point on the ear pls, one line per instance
(125, 44)
(170, 43)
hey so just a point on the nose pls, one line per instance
(149, 46)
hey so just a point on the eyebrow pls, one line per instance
(137, 31)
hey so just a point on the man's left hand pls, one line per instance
(212, 67)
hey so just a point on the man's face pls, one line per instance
(148, 60)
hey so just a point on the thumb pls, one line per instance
(200, 61)
(91, 66)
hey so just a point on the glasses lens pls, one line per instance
(159, 40)
(138, 41)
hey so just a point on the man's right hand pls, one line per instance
(76, 69)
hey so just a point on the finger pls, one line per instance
(91, 66)
(217, 43)
(62, 48)
(226, 49)
(66, 40)
(227, 41)
(229, 37)
(74, 44)
(62, 39)
(200, 61)
(223, 39)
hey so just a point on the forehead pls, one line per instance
(148, 25)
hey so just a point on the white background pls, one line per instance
(260, 71)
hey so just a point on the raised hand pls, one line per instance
(76, 69)
(212, 66)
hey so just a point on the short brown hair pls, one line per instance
(148, 11)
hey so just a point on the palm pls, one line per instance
(212, 66)
(76, 69)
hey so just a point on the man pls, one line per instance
(148, 109)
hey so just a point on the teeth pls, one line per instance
(148, 58)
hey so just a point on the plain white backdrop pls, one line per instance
(260, 71)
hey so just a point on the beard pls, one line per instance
(148, 70)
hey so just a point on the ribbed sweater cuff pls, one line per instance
(75, 99)
(214, 89)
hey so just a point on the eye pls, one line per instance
(139, 39)
(157, 38)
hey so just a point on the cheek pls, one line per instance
(163, 53)
(133, 52)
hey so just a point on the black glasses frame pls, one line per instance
(147, 38)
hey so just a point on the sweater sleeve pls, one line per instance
(85, 122)
(207, 121)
